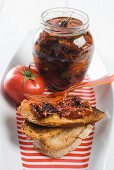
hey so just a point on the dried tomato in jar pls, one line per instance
(63, 48)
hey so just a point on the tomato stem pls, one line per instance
(27, 73)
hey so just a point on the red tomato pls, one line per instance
(23, 80)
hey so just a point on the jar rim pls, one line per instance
(80, 28)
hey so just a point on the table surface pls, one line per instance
(18, 17)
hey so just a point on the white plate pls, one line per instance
(9, 148)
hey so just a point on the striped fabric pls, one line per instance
(77, 159)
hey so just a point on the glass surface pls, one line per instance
(62, 54)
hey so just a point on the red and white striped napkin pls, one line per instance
(77, 159)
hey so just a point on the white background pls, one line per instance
(17, 17)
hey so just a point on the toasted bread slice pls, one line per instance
(56, 142)
(54, 120)
(35, 132)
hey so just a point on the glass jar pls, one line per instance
(63, 47)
